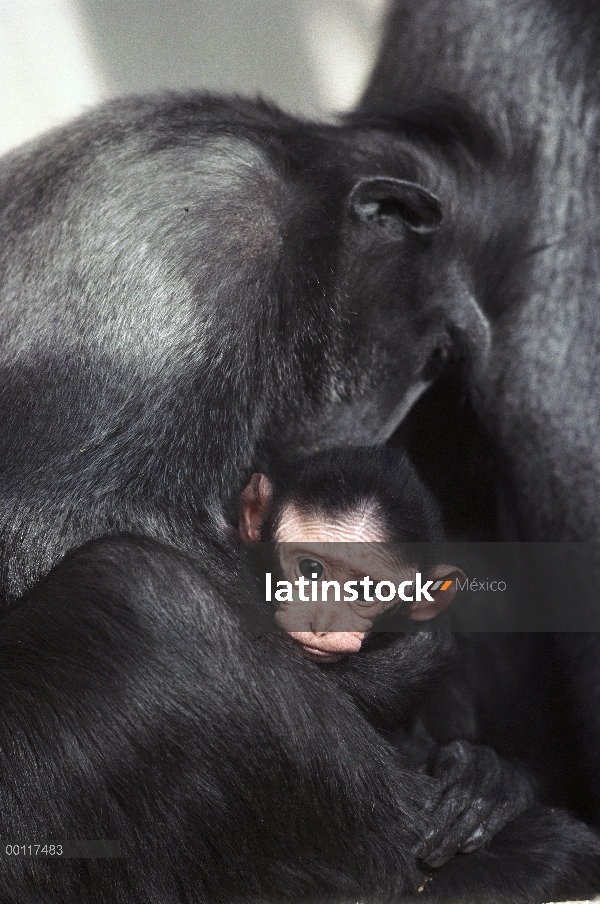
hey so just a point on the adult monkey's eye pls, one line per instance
(311, 569)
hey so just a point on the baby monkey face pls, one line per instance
(340, 571)
(334, 567)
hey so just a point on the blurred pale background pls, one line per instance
(59, 57)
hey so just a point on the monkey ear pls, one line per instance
(444, 589)
(395, 205)
(254, 503)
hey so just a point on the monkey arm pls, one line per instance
(481, 793)
(135, 708)
(393, 675)
(477, 792)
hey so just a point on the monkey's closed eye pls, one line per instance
(311, 569)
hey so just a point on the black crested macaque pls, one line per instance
(524, 321)
(370, 498)
(194, 286)
(528, 70)
(186, 287)
(191, 287)
(259, 770)
(339, 515)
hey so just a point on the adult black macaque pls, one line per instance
(191, 285)
(527, 426)
(186, 286)
(136, 707)
(529, 69)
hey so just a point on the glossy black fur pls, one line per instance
(481, 793)
(189, 287)
(193, 286)
(511, 439)
(134, 707)
(529, 69)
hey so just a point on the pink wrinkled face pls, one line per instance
(327, 631)
(359, 526)
(341, 549)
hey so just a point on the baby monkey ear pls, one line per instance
(442, 591)
(254, 502)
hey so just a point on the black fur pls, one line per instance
(190, 286)
(480, 794)
(338, 480)
(511, 439)
(187, 290)
(528, 71)
(135, 708)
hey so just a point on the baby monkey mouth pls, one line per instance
(314, 654)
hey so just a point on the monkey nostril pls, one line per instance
(444, 352)
(442, 357)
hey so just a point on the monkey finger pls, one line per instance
(469, 832)
(499, 817)
(450, 832)
(459, 821)
(477, 840)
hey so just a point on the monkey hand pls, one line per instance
(480, 793)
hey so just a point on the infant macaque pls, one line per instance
(346, 514)
(347, 524)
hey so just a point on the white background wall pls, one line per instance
(58, 57)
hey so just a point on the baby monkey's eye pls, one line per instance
(311, 569)
(360, 589)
